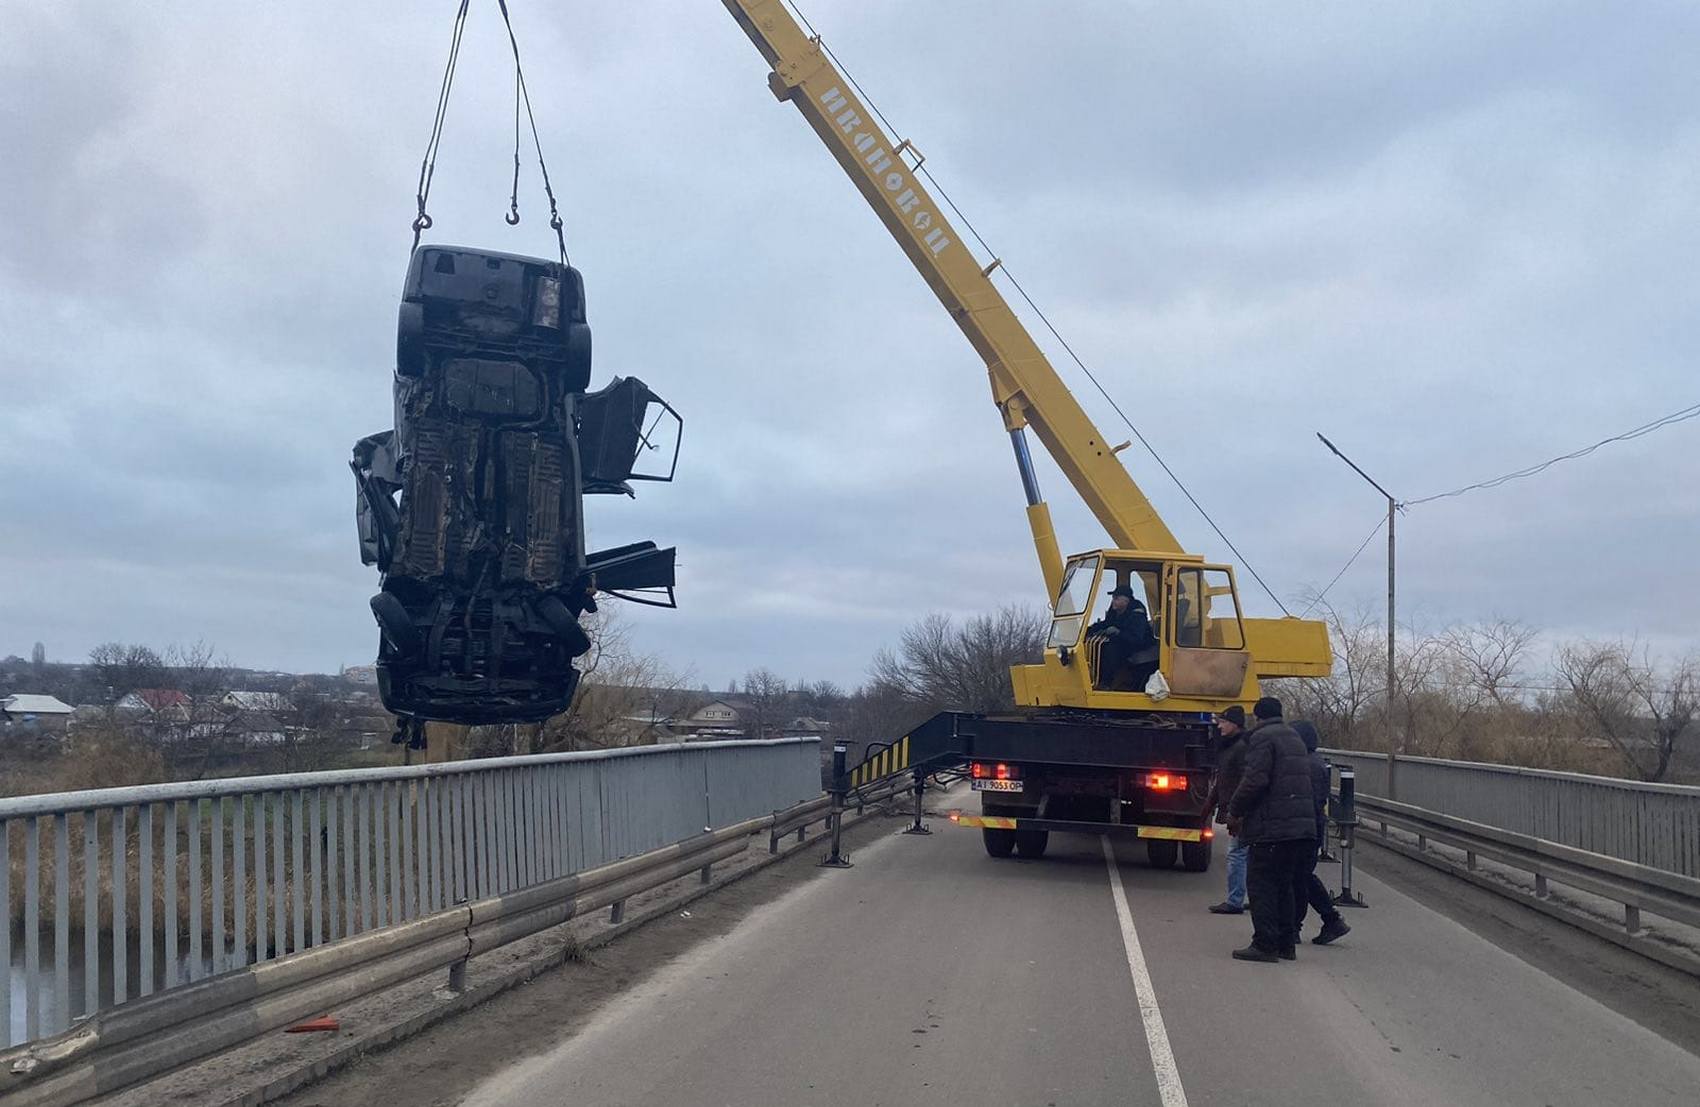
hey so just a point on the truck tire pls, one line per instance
(1161, 852)
(999, 843)
(1031, 843)
(1195, 856)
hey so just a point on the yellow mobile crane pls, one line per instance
(1084, 751)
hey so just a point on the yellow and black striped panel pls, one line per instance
(881, 763)
(994, 822)
(1171, 833)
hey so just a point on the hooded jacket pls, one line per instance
(1230, 767)
(1275, 799)
(1319, 781)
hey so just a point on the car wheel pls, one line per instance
(410, 341)
(395, 624)
(999, 842)
(1161, 852)
(576, 345)
(565, 626)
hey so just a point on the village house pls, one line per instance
(162, 702)
(27, 712)
(717, 720)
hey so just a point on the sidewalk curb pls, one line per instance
(380, 1037)
(1553, 908)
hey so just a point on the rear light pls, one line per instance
(1209, 834)
(1165, 782)
(983, 770)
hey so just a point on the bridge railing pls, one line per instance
(1654, 825)
(115, 894)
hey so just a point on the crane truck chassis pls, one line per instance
(1037, 772)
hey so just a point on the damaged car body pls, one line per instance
(472, 508)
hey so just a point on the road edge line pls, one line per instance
(1156, 1034)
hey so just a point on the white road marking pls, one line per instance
(1156, 1037)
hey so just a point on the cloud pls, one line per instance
(1455, 240)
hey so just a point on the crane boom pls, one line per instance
(1025, 386)
(1208, 653)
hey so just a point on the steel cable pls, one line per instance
(428, 165)
(1102, 391)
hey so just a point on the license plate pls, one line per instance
(996, 785)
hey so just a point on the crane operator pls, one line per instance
(1128, 656)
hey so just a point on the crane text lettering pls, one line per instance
(887, 168)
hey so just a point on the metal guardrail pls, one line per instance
(1634, 887)
(178, 885)
(1656, 826)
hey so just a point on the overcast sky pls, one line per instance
(1457, 238)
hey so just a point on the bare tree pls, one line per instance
(625, 697)
(313, 732)
(878, 712)
(939, 666)
(1642, 710)
(196, 735)
(1491, 656)
(767, 693)
(1346, 704)
(819, 699)
(123, 668)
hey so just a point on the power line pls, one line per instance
(1350, 561)
(1644, 429)
(984, 245)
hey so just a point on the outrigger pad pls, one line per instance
(472, 508)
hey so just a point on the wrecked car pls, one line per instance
(472, 507)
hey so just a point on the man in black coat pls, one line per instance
(1128, 656)
(1274, 810)
(1308, 889)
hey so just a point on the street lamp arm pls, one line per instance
(1335, 450)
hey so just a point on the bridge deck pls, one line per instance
(931, 973)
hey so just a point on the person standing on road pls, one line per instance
(1274, 811)
(1308, 889)
(1230, 766)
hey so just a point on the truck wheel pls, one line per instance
(999, 843)
(1195, 856)
(1161, 852)
(1031, 843)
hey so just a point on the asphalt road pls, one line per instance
(932, 973)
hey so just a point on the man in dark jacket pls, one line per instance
(1277, 815)
(1308, 889)
(1230, 767)
(1129, 653)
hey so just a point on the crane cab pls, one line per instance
(1197, 638)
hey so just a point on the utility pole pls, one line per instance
(1392, 511)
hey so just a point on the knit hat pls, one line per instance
(1307, 731)
(1267, 708)
(1234, 714)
